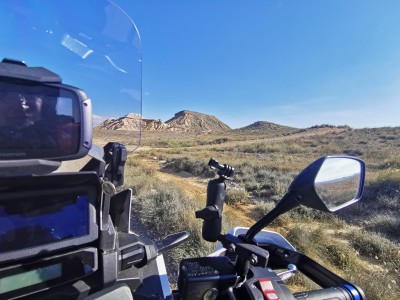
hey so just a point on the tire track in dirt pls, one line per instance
(196, 188)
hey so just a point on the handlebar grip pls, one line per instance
(338, 293)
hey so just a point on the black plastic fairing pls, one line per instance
(120, 210)
(16, 69)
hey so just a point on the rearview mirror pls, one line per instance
(338, 182)
(330, 183)
(43, 121)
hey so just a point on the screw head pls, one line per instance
(253, 260)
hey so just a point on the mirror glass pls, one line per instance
(338, 182)
(38, 122)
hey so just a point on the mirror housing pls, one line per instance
(316, 185)
(41, 118)
(328, 184)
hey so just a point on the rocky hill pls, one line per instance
(130, 122)
(185, 121)
(153, 125)
(190, 121)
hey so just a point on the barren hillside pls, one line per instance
(183, 121)
(189, 121)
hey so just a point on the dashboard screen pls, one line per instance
(39, 220)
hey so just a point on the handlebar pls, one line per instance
(346, 292)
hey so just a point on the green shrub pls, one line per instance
(377, 283)
(195, 167)
(374, 246)
(261, 209)
(236, 196)
(387, 223)
(341, 256)
(262, 181)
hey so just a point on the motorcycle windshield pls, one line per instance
(92, 45)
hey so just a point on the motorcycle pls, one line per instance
(68, 235)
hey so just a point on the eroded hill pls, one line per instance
(183, 121)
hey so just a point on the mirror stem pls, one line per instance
(288, 202)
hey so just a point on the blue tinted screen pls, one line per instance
(35, 221)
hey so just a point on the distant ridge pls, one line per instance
(263, 126)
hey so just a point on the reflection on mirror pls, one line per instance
(338, 182)
(38, 121)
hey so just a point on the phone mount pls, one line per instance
(225, 171)
(216, 192)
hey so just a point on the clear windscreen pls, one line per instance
(92, 45)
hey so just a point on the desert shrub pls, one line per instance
(236, 196)
(381, 283)
(388, 202)
(170, 143)
(263, 182)
(294, 148)
(217, 141)
(377, 210)
(138, 177)
(261, 209)
(341, 256)
(388, 137)
(327, 149)
(300, 283)
(139, 168)
(266, 148)
(164, 205)
(389, 163)
(334, 254)
(195, 167)
(330, 126)
(300, 237)
(166, 210)
(353, 152)
(305, 214)
(376, 284)
(374, 246)
(387, 223)
(259, 148)
(160, 209)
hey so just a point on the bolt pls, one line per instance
(253, 260)
(231, 248)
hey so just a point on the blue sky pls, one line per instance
(296, 63)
